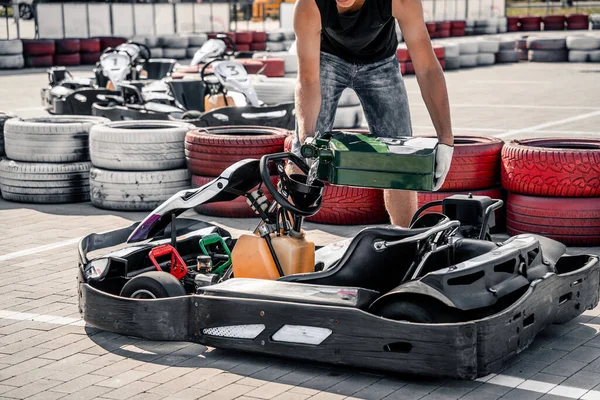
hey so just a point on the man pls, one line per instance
(352, 43)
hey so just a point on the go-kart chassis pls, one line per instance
(464, 350)
(77, 103)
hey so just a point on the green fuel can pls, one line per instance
(351, 159)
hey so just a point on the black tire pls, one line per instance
(154, 284)
(3, 118)
(421, 311)
(548, 55)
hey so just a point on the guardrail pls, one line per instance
(82, 20)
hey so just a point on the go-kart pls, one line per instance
(66, 94)
(436, 298)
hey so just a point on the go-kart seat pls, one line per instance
(363, 266)
(158, 68)
(189, 93)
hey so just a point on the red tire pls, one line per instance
(572, 26)
(89, 45)
(444, 33)
(554, 26)
(443, 26)
(531, 27)
(39, 61)
(430, 27)
(553, 19)
(258, 46)
(242, 47)
(458, 25)
(204, 147)
(442, 64)
(343, 205)
(106, 42)
(577, 18)
(439, 51)
(243, 38)
(90, 58)
(530, 20)
(571, 221)
(40, 47)
(512, 20)
(403, 55)
(494, 193)
(237, 208)
(67, 60)
(512, 28)
(259, 37)
(475, 163)
(552, 167)
(521, 44)
(67, 46)
(457, 32)
(274, 67)
(409, 68)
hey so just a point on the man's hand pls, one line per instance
(443, 160)
(292, 168)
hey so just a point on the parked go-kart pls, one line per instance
(434, 298)
(66, 94)
(223, 85)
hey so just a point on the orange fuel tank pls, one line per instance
(251, 257)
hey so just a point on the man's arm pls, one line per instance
(430, 76)
(307, 26)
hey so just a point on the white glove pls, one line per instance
(443, 159)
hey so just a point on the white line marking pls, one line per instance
(35, 250)
(49, 319)
(548, 124)
(455, 129)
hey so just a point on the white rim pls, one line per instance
(143, 294)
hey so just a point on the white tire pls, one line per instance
(274, 90)
(58, 139)
(488, 46)
(468, 47)
(583, 43)
(11, 47)
(507, 56)
(139, 145)
(276, 46)
(191, 51)
(198, 39)
(275, 37)
(178, 54)
(349, 98)
(486, 59)
(451, 50)
(290, 60)
(15, 61)
(452, 63)
(348, 117)
(595, 56)
(44, 183)
(174, 42)
(141, 190)
(3, 118)
(468, 60)
(579, 56)
(156, 52)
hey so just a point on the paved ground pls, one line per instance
(47, 353)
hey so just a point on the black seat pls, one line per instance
(158, 68)
(363, 266)
(189, 93)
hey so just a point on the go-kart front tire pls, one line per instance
(153, 285)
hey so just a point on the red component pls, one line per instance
(530, 20)
(512, 20)
(274, 67)
(430, 27)
(459, 24)
(513, 28)
(439, 51)
(442, 63)
(243, 38)
(443, 33)
(572, 221)
(258, 46)
(67, 46)
(443, 26)
(531, 27)
(67, 59)
(553, 19)
(577, 18)
(552, 167)
(89, 45)
(106, 42)
(403, 55)
(242, 47)
(39, 61)
(178, 267)
(40, 47)
(577, 25)
(259, 37)
(410, 68)
(457, 32)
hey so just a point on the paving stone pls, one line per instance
(291, 396)
(274, 372)
(547, 356)
(188, 394)
(89, 393)
(193, 378)
(300, 375)
(5, 388)
(78, 384)
(523, 369)
(251, 382)
(478, 395)
(520, 394)
(229, 392)
(31, 389)
(129, 390)
(564, 367)
(506, 380)
(413, 391)
(568, 391)
(325, 381)
(583, 380)
(218, 381)
(327, 396)
(353, 384)
(304, 390)
(592, 395)
(380, 389)
(585, 354)
(47, 395)
(21, 368)
(28, 377)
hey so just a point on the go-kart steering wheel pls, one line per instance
(307, 199)
(214, 87)
(230, 44)
(146, 52)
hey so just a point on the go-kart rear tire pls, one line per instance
(421, 311)
(552, 167)
(153, 285)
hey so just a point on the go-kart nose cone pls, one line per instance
(302, 194)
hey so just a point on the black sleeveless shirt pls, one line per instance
(364, 36)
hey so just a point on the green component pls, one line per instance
(209, 240)
(350, 159)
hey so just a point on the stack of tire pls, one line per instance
(259, 41)
(530, 23)
(280, 41)
(512, 24)
(487, 50)
(442, 29)
(506, 52)
(469, 27)
(209, 151)
(272, 91)
(554, 189)
(475, 169)
(457, 28)
(577, 22)
(349, 114)
(67, 52)
(451, 56)
(89, 51)
(278, 63)
(39, 52)
(468, 51)
(174, 46)
(137, 165)
(48, 159)
(110, 41)
(502, 25)
(195, 42)
(344, 205)
(583, 48)
(153, 44)
(11, 54)
(595, 19)
(554, 22)
(4, 116)
(406, 65)
(521, 48)
(546, 49)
